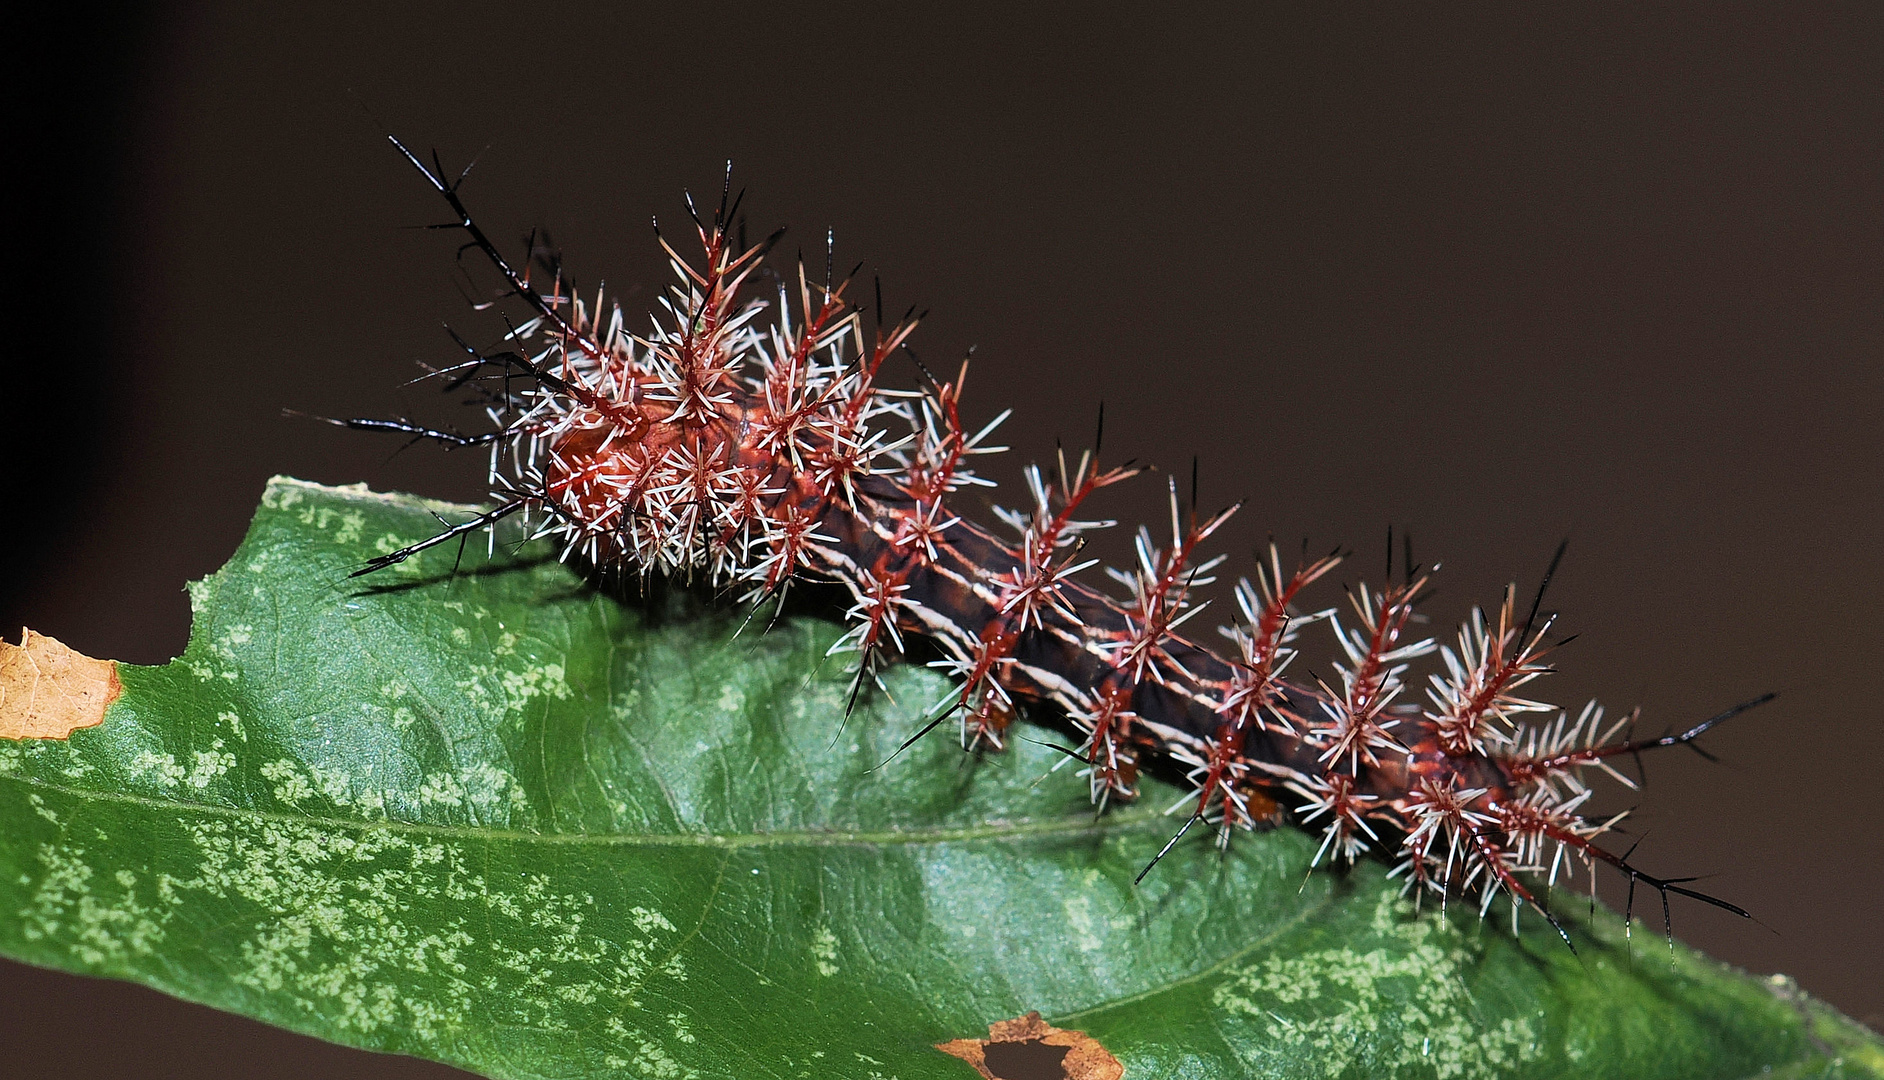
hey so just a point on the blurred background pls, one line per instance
(1494, 278)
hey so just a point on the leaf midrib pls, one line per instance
(1024, 828)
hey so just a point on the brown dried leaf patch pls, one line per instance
(48, 691)
(1027, 1048)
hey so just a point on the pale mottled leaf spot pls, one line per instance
(48, 691)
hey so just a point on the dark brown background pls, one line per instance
(1493, 277)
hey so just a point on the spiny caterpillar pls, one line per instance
(752, 451)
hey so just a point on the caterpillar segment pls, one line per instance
(748, 440)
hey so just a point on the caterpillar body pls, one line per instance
(750, 441)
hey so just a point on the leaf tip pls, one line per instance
(48, 691)
(1028, 1046)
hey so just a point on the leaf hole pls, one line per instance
(1029, 1048)
(1030, 1060)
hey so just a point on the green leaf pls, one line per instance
(500, 820)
